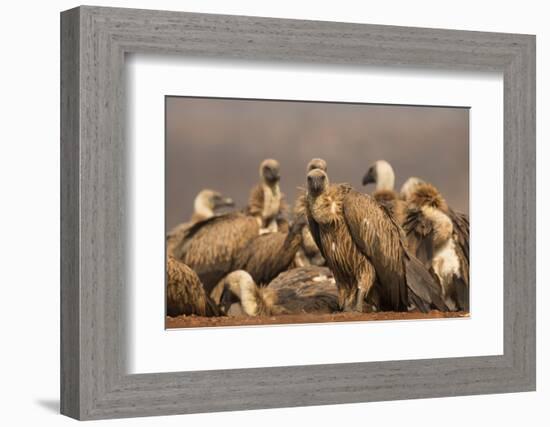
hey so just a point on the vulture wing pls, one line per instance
(296, 276)
(185, 293)
(376, 236)
(461, 228)
(256, 200)
(178, 229)
(315, 231)
(211, 246)
(263, 258)
(381, 239)
(306, 290)
(461, 236)
(419, 231)
(461, 225)
(175, 236)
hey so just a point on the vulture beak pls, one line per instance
(370, 177)
(224, 202)
(225, 300)
(315, 183)
(272, 175)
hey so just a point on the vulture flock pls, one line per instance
(337, 249)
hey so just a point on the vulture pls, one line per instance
(365, 248)
(266, 201)
(210, 247)
(381, 173)
(297, 291)
(309, 253)
(185, 294)
(439, 237)
(269, 254)
(207, 203)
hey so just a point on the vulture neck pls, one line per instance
(252, 301)
(385, 179)
(293, 241)
(202, 208)
(271, 186)
(326, 208)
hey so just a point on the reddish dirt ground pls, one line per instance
(197, 321)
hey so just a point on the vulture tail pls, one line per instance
(424, 291)
(462, 294)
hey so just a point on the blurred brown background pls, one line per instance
(219, 144)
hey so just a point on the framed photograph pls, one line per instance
(301, 195)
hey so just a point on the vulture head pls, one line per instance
(317, 182)
(270, 171)
(317, 163)
(426, 194)
(409, 186)
(209, 201)
(381, 174)
(240, 295)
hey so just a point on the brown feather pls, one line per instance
(426, 194)
(210, 247)
(391, 200)
(331, 234)
(297, 291)
(269, 254)
(309, 250)
(185, 294)
(432, 226)
(256, 201)
(306, 290)
(274, 208)
(379, 240)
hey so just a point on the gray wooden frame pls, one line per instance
(94, 41)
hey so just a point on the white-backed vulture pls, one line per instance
(210, 247)
(309, 253)
(363, 245)
(266, 202)
(270, 254)
(185, 294)
(206, 204)
(439, 237)
(297, 291)
(381, 173)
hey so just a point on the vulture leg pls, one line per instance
(365, 284)
(346, 297)
(373, 301)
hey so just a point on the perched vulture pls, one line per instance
(210, 247)
(266, 201)
(297, 291)
(270, 254)
(309, 253)
(206, 205)
(381, 173)
(185, 294)
(364, 248)
(439, 237)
